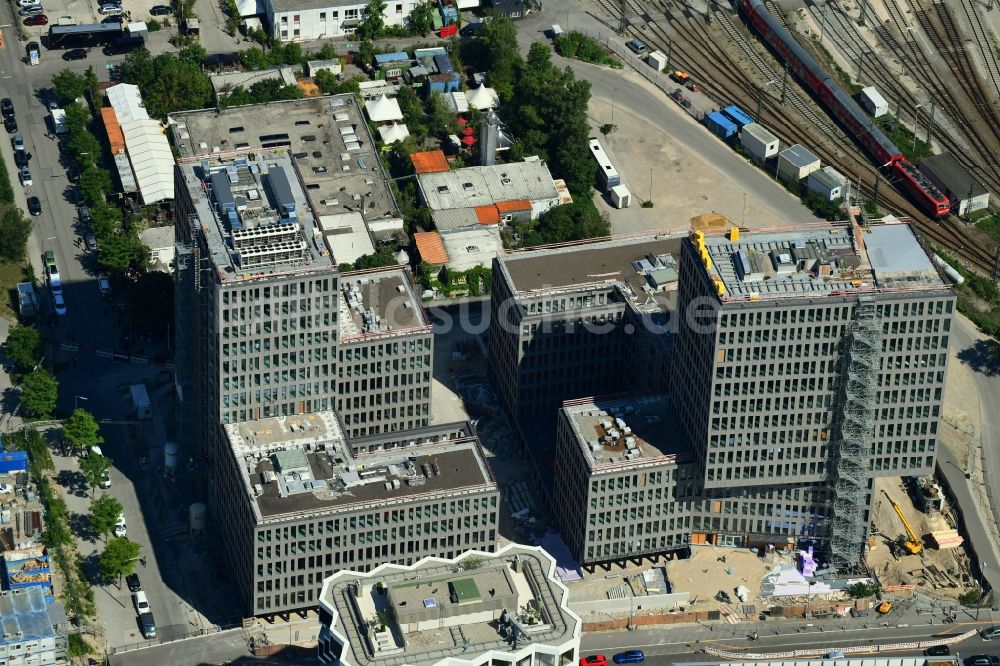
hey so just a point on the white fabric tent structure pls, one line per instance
(152, 161)
(145, 143)
(483, 98)
(127, 103)
(383, 110)
(393, 133)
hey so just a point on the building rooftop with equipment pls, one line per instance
(378, 302)
(466, 610)
(825, 260)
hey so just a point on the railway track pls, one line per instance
(698, 50)
(940, 87)
(989, 53)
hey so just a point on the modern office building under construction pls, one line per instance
(805, 361)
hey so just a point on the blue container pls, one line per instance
(737, 115)
(720, 126)
(13, 461)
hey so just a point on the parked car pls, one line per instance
(982, 660)
(141, 602)
(161, 10)
(132, 580)
(90, 241)
(75, 54)
(6, 107)
(636, 46)
(121, 531)
(104, 285)
(21, 159)
(990, 633)
(26, 177)
(629, 657)
(84, 213)
(594, 660)
(10, 124)
(147, 624)
(17, 142)
(938, 651)
(26, 3)
(58, 303)
(37, 19)
(105, 480)
(49, 261)
(109, 10)
(34, 206)
(111, 19)
(31, 10)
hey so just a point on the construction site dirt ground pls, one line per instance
(710, 570)
(935, 572)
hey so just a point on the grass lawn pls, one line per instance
(11, 272)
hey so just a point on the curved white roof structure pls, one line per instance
(145, 143)
(393, 133)
(483, 98)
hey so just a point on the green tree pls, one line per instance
(106, 220)
(232, 17)
(39, 392)
(121, 251)
(94, 182)
(24, 346)
(254, 59)
(421, 19)
(499, 36)
(862, 590)
(104, 513)
(194, 53)
(81, 430)
(372, 20)
(14, 231)
(569, 222)
(326, 52)
(366, 53)
(94, 466)
(441, 119)
(69, 86)
(118, 559)
(90, 76)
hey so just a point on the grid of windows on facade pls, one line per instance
(385, 386)
(293, 560)
(275, 345)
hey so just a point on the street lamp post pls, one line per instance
(76, 398)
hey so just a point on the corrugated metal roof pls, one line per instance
(116, 139)
(430, 247)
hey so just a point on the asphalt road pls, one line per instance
(669, 646)
(90, 322)
(652, 105)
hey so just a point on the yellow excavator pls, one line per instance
(911, 542)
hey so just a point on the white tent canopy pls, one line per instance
(152, 161)
(483, 98)
(127, 103)
(393, 133)
(383, 110)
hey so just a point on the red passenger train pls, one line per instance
(845, 109)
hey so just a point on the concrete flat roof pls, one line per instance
(953, 176)
(819, 260)
(303, 464)
(586, 263)
(622, 431)
(473, 247)
(347, 235)
(387, 294)
(327, 138)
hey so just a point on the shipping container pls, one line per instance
(720, 126)
(737, 115)
(13, 461)
(758, 142)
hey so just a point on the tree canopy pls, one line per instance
(269, 90)
(39, 392)
(81, 430)
(383, 257)
(499, 37)
(372, 24)
(569, 222)
(94, 466)
(421, 19)
(169, 82)
(69, 86)
(118, 559)
(24, 346)
(104, 513)
(14, 231)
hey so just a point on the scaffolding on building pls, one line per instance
(188, 329)
(862, 360)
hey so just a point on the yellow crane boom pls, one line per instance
(912, 544)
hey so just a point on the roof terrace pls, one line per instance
(378, 302)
